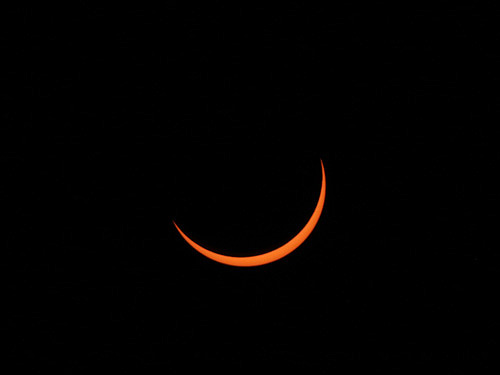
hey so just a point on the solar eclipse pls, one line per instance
(273, 255)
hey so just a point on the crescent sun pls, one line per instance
(272, 255)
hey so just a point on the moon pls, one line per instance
(273, 255)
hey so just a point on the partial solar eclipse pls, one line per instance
(273, 255)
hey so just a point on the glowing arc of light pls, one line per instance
(273, 255)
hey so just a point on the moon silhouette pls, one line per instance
(273, 255)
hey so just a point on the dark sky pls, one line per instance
(118, 120)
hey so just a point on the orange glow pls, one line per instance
(273, 255)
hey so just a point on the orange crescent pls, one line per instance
(272, 255)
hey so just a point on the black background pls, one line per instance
(118, 120)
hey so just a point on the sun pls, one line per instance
(272, 255)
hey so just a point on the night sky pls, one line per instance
(115, 121)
